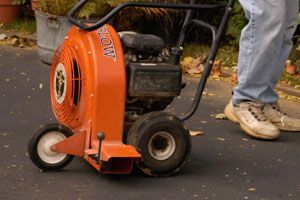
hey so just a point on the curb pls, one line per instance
(288, 90)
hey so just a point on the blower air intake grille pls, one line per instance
(66, 84)
(76, 82)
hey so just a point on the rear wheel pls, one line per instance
(163, 141)
(39, 147)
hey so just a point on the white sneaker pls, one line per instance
(252, 119)
(280, 119)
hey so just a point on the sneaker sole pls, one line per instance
(255, 134)
(285, 128)
(229, 114)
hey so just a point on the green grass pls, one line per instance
(22, 25)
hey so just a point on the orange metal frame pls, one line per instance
(101, 106)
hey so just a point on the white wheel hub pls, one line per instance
(161, 145)
(44, 147)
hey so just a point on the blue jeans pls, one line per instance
(264, 48)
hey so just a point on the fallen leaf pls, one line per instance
(187, 61)
(290, 68)
(3, 36)
(14, 41)
(220, 116)
(194, 71)
(221, 139)
(234, 77)
(216, 69)
(196, 133)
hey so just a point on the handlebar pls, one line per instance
(115, 11)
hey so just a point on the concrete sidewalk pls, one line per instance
(225, 163)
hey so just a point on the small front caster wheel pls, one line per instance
(163, 142)
(39, 147)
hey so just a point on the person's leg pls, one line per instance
(260, 46)
(291, 22)
(273, 111)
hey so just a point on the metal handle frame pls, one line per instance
(115, 11)
(188, 23)
(216, 35)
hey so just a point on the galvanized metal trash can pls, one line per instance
(51, 31)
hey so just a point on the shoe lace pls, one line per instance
(256, 109)
(276, 107)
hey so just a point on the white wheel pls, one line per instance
(39, 147)
(161, 146)
(44, 147)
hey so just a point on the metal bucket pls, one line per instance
(51, 31)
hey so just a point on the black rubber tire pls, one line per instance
(151, 123)
(33, 144)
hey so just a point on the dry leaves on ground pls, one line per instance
(15, 41)
(196, 133)
(195, 66)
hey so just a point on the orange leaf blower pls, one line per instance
(108, 92)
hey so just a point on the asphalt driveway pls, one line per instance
(226, 164)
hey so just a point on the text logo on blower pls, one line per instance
(107, 43)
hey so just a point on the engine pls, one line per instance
(152, 83)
